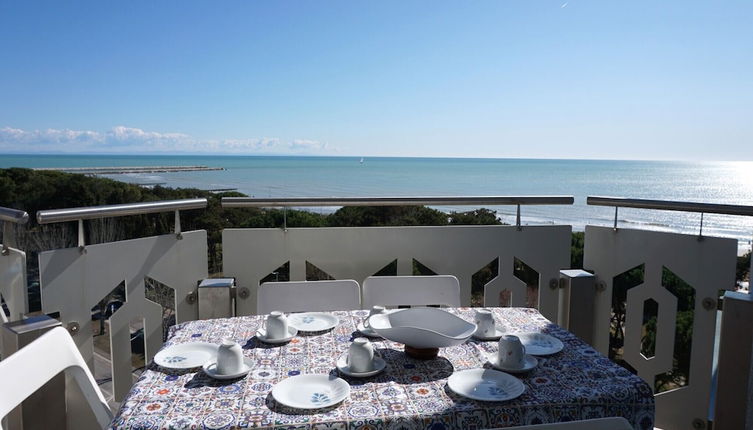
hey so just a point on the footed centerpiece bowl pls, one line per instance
(422, 330)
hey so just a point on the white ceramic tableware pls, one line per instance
(485, 322)
(485, 385)
(210, 368)
(261, 334)
(540, 343)
(422, 327)
(498, 333)
(375, 310)
(186, 355)
(378, 366)
(529, 363)
(366, 331)
(277, 325)
(229, 357)
(361, 356)
(311, 391)
(512, 353)
(313, 321)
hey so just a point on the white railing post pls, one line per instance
(734, 404)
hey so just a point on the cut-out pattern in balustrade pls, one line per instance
(657, 311)
(360, 252)
(73, 282)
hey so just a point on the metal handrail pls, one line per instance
(8, 217)
(286, 202)
(245, 202)
(13, 215)
(669, 205)
(95, 212)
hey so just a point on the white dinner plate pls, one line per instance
(186, 355)
(261, 334)
(530, 363)
(378, 365)
(311, 391)
(313, 321)
(486, 385)
(540, 343)
(210, 368)
(367, 331)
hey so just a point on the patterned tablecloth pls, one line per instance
(576, 383)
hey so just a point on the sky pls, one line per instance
(531, 78)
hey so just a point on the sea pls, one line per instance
(299, 176)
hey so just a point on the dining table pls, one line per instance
(576, 383)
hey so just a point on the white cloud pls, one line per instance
(135, 140)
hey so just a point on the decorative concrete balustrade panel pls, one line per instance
(359, 252)
(707, 265)
(73, 282)
(13, 285)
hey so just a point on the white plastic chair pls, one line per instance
(299, 296)
(411, 290)
(26, 370)
(613, 423)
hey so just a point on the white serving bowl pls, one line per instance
(422, 327)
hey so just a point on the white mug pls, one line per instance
(375, 310)
(512, 353)
(229, 358)
(485, 323)
(277, 325)
(361, 356)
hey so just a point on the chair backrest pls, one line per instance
(612, 423)
(26, 370)
(298, 296)
(411, 290)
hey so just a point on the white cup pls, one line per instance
(361, 356)
(375, 310)
(229, 358)
(485, 323)
(277, 325)
(512, 353)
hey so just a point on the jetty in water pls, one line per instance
(124, 170)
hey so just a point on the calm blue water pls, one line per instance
(719, 182)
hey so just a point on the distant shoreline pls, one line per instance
(346, 176)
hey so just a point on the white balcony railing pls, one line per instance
(631, 269)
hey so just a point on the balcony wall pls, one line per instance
(74, 280)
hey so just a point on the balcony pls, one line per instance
(661, 304)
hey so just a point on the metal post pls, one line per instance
(9, 240)
(45, 409)
(81, 237)
(178, 233)
(700, 231)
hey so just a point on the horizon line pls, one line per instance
(188, 154)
